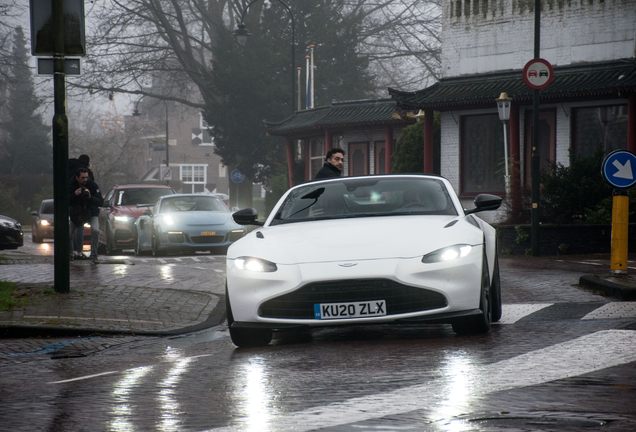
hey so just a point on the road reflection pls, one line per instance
(122, 393)
(170, 413)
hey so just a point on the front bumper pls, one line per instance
(412, 290)
(11, 238)
(194, 240)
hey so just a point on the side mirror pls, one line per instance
(247, 216)
(485, 202)
(147, 212)
(106, 203)
(34, 213)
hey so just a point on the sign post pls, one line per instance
(617, 170)
(237, 177)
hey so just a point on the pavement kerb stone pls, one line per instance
(620, 287)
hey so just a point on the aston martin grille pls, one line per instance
(399, 298)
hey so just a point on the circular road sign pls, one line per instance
(237, 176)
(618, 169)
(538, 74)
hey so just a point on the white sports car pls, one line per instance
(364, 250)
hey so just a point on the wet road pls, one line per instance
(562, 359)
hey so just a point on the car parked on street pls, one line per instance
(120, 211)
(187, 223)
(364, 250)
(11, 235)
(42, 227)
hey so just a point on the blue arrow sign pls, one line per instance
(618, 169)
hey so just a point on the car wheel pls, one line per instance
(245, 338)
(477, 324)
(35, 238)
(155, 247)
(110, 248)
(495, 292)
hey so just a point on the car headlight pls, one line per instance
(168, 220)
(447, 254)
(44, 222)
(255, 264)
(122, 218)
(8, 224)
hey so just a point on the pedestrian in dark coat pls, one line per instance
(85, 199)
(83, 161)
(334, 162)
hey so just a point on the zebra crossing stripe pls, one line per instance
(448, 395)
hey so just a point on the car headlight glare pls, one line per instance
(447, 254)
(122, 218)
(44, 222)
(255, 264)
(168, 220)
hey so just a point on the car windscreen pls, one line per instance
(47, 207)
(366, 198)
(191, 203)
(140, 196)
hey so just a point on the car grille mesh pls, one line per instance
(207, 239)
(399, 298)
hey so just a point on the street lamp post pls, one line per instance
(241, 34)
(136, 113)
(503, 106)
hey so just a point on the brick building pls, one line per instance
(194, 165)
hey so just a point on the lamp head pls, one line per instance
(503, 106)
(241, 34)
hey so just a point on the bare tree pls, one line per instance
(136, 43)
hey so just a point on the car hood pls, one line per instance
(130, 211)
(201, 218)
(356, 239)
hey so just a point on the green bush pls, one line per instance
(577, 193)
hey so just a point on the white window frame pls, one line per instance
(193, 174)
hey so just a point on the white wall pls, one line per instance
(501, 37)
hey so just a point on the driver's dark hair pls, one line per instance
(334, 150)
(80, 170)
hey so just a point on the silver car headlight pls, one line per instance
(447, 254)
(255, 264)
(168, 220)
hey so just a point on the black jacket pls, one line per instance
(93, 203)
(327, 171)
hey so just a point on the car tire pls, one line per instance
(155, 247)
(245, 338)
(110, 249)
(35, 238)
(495, 292)
(478, 324)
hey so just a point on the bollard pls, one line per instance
(620, 224)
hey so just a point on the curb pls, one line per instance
(610, 288)
(216, 317)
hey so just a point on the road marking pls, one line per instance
(211, 257)
(463, 381)
(514, 312)
(616, 310)
(178, 259)
(83, 378)
(195, 259)
(162, 261)
(219, 271)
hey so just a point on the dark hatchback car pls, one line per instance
(43, 225)
(11, 235)
(119, 212)
(43, 221)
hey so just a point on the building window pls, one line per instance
(222, 170)
(193, 178)
(599, 128)
(482, 154)
(316, 156)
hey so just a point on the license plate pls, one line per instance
(324, 311)
(208, 233)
